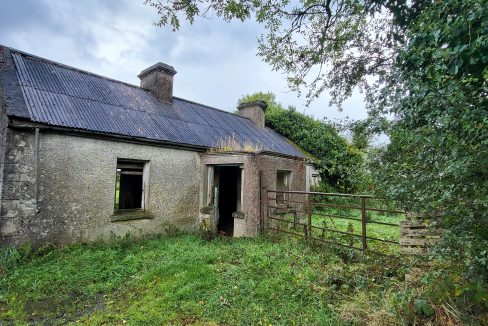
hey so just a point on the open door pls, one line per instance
(228, 198)
(224, 195)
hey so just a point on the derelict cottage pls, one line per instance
(85, 157)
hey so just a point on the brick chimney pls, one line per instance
(158, 80)
(254, 111)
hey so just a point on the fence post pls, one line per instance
(266, 203)
(262, 203)
(309, 214)
(363, 222)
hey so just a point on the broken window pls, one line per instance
(129, 186)
(283, 179)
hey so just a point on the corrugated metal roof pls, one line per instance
(63, 96)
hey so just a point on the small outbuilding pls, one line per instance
(85, 157)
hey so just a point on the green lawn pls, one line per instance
(185, 280)
(378, 231)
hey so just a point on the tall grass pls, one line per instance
(9, 258)
(187, 280)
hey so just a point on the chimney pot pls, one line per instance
(254, 111)
(158, 80)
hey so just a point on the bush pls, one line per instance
(340, 163)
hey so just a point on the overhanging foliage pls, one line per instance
(423, 66)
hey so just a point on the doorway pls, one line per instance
(229, 197)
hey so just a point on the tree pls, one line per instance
(361, 137)
(440, 136)
(319, 44)
(437, 161)
(339, 162)
(423, 66)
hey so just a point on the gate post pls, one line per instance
(263, 202)
(265, 211)
(309, 205)
(363, 222)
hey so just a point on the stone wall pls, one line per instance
(76, 189)
(3, 136)
(18, 203)
(63, 190)
(416, 237)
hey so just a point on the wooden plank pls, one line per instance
(411, 224)
(427, 234)
(415, 233)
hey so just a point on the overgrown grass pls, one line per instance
(378, 231)
(324, 227)
(188, 280)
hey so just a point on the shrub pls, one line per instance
(339, 162)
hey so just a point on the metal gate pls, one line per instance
(360, 222)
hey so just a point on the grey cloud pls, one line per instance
(216, 61)
(23, 14)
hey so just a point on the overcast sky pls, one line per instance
(216, 61)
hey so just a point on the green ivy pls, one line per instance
(340, 163)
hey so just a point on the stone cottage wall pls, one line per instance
(66, 192)
(76, 189)
(271, 165)
(17, 202)
(3, 136)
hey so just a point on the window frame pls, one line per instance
(145, 184)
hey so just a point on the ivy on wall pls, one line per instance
(339, 162)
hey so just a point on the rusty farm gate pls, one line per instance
(360, 222)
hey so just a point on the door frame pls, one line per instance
(212, 188)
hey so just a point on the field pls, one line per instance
(332, 222)
(188, 280)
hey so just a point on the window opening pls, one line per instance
(283, 179)
(129, 186)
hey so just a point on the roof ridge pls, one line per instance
(62, 65)
(210, 107)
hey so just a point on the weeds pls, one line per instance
(9, 258)
(185, 279)
(231, 144)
